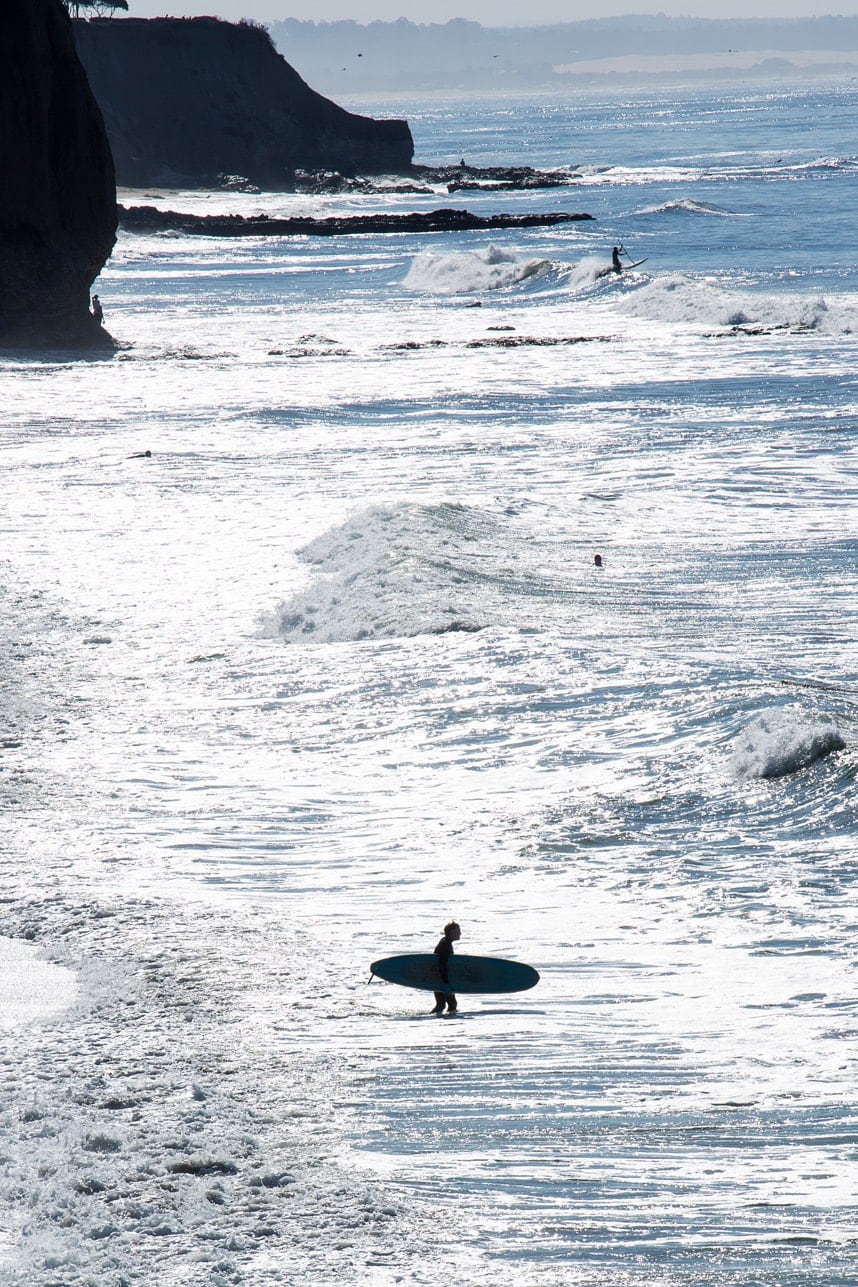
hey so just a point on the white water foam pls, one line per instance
(472, 272)
(835, 163)
(596, 270)
(627, 176)
(389, 572)
(31, 989)
(783, 740)
(685, 299)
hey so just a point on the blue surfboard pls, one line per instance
(466, 973)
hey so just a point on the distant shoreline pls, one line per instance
(461, 57)
(603, 83)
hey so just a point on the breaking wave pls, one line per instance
(393, 572)
(680, 298)
(823, 163)
(685, 205)
(783, 740)
(596, 270)
(472, 272)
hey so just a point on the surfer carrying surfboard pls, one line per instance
(430, 971)
(444, 951)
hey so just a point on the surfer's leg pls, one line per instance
(452, 1003)
(440, 999)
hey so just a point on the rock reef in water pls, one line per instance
(425, 180)
(496, 178)
(58, 197)
(150, 219)
(188, 100)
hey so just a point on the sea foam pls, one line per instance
(471, 272)
(783, 740)
(685, 299)
(389, 572)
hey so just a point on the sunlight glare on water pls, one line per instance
(334, 663)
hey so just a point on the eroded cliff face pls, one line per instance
(57, 194)
(188, 99)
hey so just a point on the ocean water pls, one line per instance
(334, 664)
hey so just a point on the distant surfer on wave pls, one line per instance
(616, 265)
(444, 951)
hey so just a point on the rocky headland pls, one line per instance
(58, 196)
(188, 101)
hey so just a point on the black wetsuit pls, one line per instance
(444, 951)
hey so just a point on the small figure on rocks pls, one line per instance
(97, 310)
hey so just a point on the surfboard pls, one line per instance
(466, 973)
(605, 272)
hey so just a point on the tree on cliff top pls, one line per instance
(101, 7)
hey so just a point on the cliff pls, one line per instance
(188, 99)
(57, 198)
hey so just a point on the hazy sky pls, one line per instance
(491, 13)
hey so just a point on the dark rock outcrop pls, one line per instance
(495, 178)
(57, 196)
(150, 219)
(425, 180)
(187, 100)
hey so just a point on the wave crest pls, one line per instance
(471, 272)
(686, 205)
(679, 298)
(782, 741)
(391, 573)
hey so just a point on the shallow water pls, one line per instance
(334, 664)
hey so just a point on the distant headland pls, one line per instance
(188, 100)
(460, 56)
